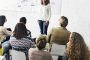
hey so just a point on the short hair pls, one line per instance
(65, 23)
(23, 20)
(46, 2)
(41, 42)
(20, 31)
(2, 20)
(77, 48)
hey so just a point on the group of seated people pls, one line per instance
(34, 48)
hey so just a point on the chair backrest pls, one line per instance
(17, 55)
(55, 57)
(58, 50)
(1, 57)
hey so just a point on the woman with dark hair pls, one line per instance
(19, 40)
(24, 20)
(76, 48)
(39, 53)
(44, 16)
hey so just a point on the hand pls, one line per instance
(46, 23)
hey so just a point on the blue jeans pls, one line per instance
(6, 46)
(43, 26)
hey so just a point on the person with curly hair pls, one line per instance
(77, 48)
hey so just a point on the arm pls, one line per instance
(6, 32)
(49, 12)
(49, 36)
(49, 39)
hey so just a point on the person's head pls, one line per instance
(45, 2)
(23, 20)
(41, 42)
(20, 31)
(2, 20)
(77, 47)
(63, 21)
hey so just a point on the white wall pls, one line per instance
(78, 12)
(14, 9)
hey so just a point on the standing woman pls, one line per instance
(76, 48)
(45, 16)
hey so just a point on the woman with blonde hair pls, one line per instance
(76, 48)
(38, 53)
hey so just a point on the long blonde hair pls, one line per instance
(77, 49)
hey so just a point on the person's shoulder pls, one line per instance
(12, 38)
(46, 53)
(56, 28)
(2, 27)
(31, 50)
(48, 6)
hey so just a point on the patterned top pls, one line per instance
(24, 42)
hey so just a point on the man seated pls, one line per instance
(59, 35)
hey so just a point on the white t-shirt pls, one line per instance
(45, 12)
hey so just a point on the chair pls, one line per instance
(1, 57)
(17, 55)
(57, 50)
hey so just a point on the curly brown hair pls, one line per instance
(76, 48)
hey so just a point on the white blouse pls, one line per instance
(45, 12)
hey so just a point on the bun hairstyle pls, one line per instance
(41, 42)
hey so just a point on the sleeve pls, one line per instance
(6, 32)
(49, 36)
(68, 49)
(30, 55)
(32, 44)
(49, 12)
